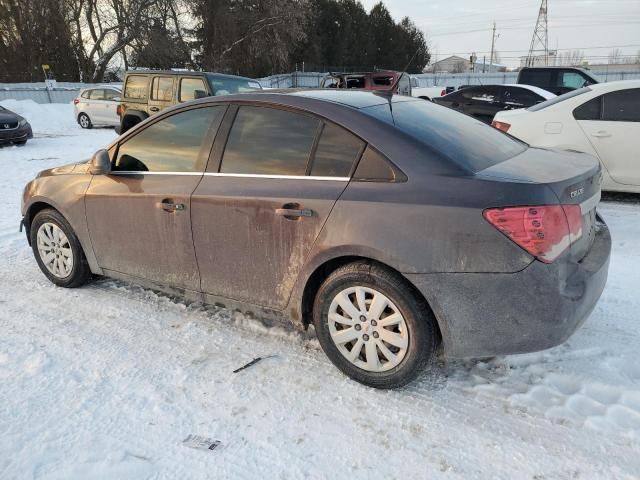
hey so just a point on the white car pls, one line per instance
(601, 119)
(97, 106)
(426, 93)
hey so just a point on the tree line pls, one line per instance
(95, 40)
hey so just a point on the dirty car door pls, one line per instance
(139, 215)
(264, 200)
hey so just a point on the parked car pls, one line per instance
(557, 80)
(602, 120)
(390, 223)
(13, 128)
(147, 92)
(484, 101)
(426, 93)
(382, 80)
(97, 106)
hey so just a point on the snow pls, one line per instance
(106, 381)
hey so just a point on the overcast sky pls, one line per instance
(464, 26)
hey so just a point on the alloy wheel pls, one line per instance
(368, 329)
(55, 250)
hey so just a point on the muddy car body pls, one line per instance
(356, 207)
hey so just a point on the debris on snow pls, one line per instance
(200, 443)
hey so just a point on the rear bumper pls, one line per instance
(537, 308)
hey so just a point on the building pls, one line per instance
(456, 64)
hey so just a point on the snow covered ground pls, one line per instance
(107, 381)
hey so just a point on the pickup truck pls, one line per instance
(556, 80)
(382, 80)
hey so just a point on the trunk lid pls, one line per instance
(575, 179)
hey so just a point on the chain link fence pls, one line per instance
(65, 92)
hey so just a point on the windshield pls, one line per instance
(561, 98)
(226, 86)
(465, 140)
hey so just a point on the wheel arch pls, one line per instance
(322, 272)
(32, 211)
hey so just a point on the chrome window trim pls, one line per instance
(238, 175)
(289, 177)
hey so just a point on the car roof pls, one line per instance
(186, 73)
(615, 85)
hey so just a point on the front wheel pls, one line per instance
(372, 325)
(58, 250)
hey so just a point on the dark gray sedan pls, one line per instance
(13, 128)
(391, 224)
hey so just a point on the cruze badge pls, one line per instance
(577, 193)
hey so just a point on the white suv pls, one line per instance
(97, 106)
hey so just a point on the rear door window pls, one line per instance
(537, 77)
(136, 87)
(173, 144)
(189, 86)
(162, 89)
(336, 152)
(269, 141)
(622, 106)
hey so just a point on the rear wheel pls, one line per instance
(372, 326)
(58, 250)
(84, 121)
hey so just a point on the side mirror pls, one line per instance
(200, 94)
(100, 163)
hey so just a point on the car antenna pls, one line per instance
(404, 70)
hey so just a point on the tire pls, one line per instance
(85, 121)
(22, 143)
(413, 332)
(71, 274)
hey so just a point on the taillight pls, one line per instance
(503, 126)
(443, 92)
(119, 110)
(76, 101)
(544, 231)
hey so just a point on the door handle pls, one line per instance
(601, 134)
(168, 206)
(154, 109)
(293, 213)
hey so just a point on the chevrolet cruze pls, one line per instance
(391, 224)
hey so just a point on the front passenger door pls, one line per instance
(139, 216)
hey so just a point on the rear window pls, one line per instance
(466, 141)
(558, 99)
(136, 87)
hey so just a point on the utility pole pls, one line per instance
(493, 44)
(540, 36)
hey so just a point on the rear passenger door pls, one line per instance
(264, 199)
(611, 122)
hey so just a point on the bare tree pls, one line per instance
(614, 56)
(570, 58)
